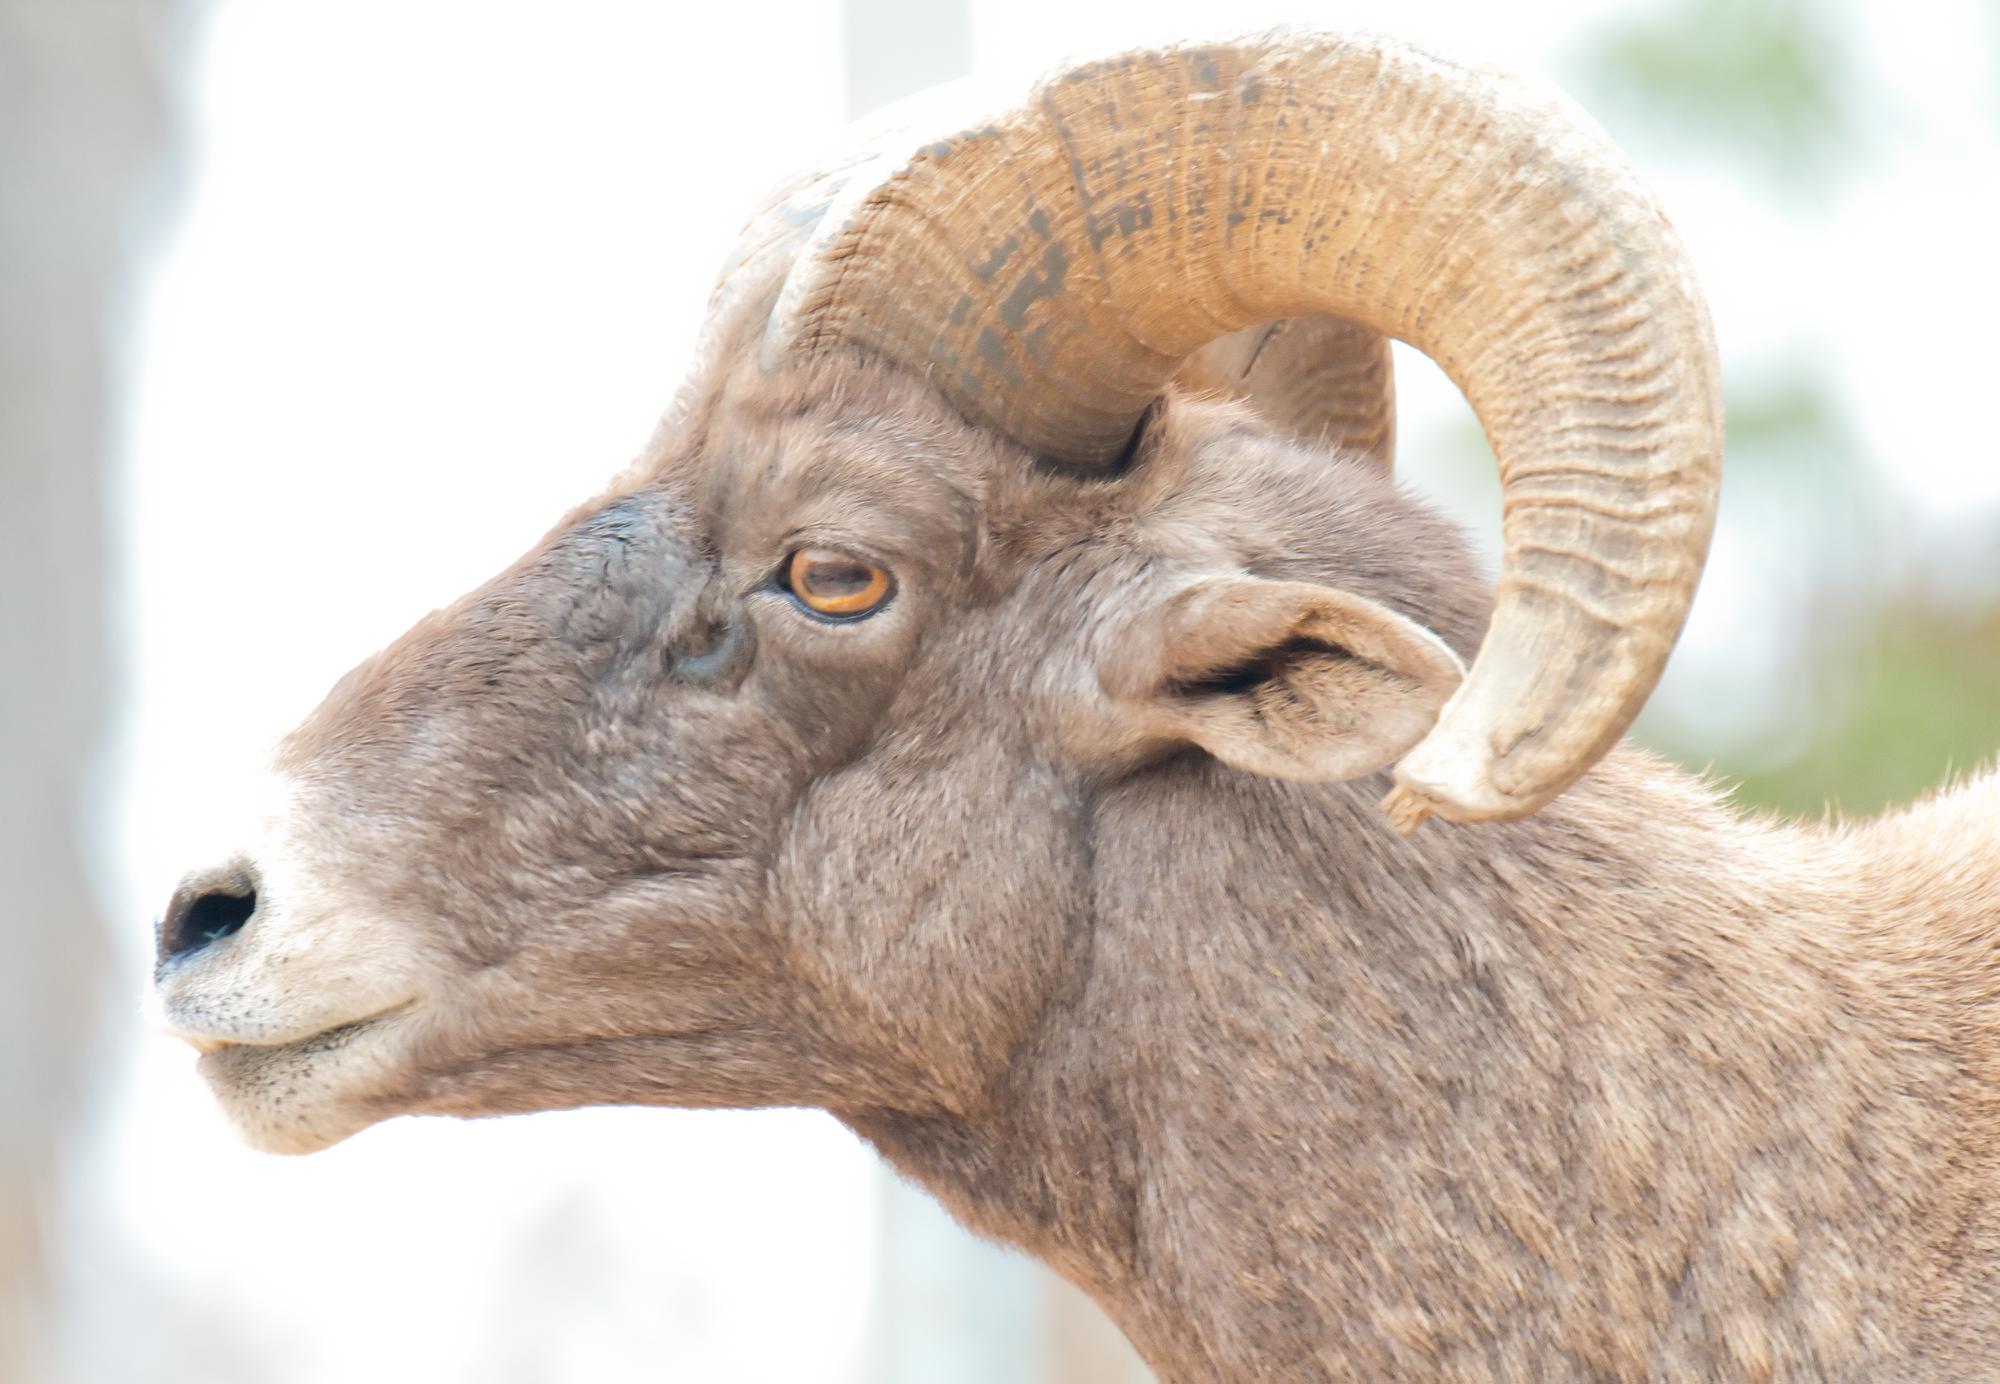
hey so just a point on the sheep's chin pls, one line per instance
(304, 1096)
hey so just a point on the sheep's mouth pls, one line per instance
(215, 1050)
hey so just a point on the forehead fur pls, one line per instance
(855, 447)
(848, 455)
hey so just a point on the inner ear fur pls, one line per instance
(1285, 679)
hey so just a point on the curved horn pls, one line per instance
(1052, 269)
(1322, 380)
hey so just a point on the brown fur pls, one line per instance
(1632, 1089)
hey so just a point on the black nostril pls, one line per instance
(196, 918)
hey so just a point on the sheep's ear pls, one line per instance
(1282, 678)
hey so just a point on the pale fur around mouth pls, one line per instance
(302, 1094)
(324, 1040)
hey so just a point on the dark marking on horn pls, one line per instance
(993, 351)
(998, 258)
(1034, 286)
(1124, 218)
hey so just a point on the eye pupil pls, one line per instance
(834, 583)
(839, 578)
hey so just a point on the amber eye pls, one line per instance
(835, 584)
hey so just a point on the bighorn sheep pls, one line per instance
(959, 723)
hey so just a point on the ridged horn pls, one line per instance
(1052, 268)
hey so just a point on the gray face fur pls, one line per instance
(630, 824)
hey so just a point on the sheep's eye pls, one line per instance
(834, 584)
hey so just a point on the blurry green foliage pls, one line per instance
(1903, 691)
(1909, 699)
(1761, 79)
(1779, 417)
(1798, 473)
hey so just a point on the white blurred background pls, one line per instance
(315, 315)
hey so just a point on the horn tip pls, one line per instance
(1406, 810)
(1457, 782)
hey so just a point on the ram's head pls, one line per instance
(771, 775)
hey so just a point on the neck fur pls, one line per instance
(1631, 1088)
